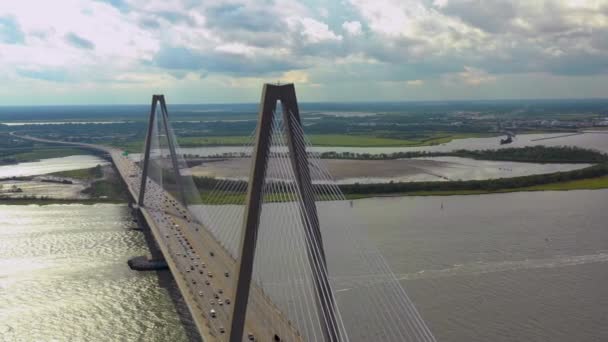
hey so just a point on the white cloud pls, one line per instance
(440, 3)
(353, 28)
(470, 76)
(295, 76)
(118, 42)
(312, 30)
(235, 48)
(416, 30)
(241, 42)
(415, 83)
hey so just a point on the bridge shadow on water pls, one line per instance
(166, 281)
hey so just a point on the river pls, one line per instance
(64, 277)
(505, 267)
(592, 140)
(501, 267)
(50, 165)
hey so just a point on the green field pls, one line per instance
(213, 141)
(589, 184)
(338, 140)
(356, 141)
(112, 190)
(581, 184)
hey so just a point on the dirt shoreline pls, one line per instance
(378, 171)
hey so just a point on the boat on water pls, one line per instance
(507, 140)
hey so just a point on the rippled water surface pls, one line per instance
(64, 277)
(505, 267)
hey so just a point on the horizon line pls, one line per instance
(321, 102)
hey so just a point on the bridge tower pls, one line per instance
(156, 260)
(282, 290)
(325, 301)
(159, 100)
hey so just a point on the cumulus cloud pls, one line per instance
(313, 31)
(470, 76)
(221, 61)
(413, 42)
(79, 42)
(295, 76)
(353, 28)
(53, 75)
(10, 32)
(118, 4)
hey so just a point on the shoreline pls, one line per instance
(594, 183)
(51, 201)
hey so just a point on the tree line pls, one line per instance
(532, 154)
(476, 185)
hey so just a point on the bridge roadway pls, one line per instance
(202, 268)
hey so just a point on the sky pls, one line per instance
(123, 51)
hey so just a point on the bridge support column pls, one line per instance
(155, 260)
(316, 255)
(159, 99)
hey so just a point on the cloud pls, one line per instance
(312, 30)
(221, 61)
(174, 17)
(118, 4)
(240, 17)
(178, 58)
(79, 42)
(353, 28)
(53, 75)
(10, 32)
(490, 16)
(418, 44)
(470, 76)
(295, 76)
(501, 36)
(149, 23)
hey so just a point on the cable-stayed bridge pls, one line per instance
(279, 256)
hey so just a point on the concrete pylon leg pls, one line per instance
(325, 301)
(156, 260)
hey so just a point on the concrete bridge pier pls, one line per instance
(155, 260)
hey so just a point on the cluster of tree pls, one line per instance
(536, 154)
(13, 189)
(9, 146)
(24, 197)
(96, 172)
(480, 185)
(8, 160)
(540, 154)
(380, 156)
(57, 181)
